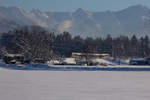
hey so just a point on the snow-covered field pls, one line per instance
(74, 85)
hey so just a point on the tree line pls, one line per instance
(36, 42)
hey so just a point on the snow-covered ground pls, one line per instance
(100, 61)
(74, 85)
(111, 67)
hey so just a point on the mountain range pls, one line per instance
(132, 20)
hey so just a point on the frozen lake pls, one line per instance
(74, 85)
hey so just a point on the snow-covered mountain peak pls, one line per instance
(82, 13)
(38, 12)
(82, 21)
(81, 10)
(136, 8)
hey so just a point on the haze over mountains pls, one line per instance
(132, 20)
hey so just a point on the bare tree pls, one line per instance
(33, 43)
(88, 48)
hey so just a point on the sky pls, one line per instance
(72, 5)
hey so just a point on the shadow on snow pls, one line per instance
(72, 68)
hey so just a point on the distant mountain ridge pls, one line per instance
(132, 20)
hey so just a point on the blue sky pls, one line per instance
(72, 5)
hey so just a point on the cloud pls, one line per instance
(65, 26)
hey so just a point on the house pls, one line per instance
(92, 55)
(140, 61)
(39, 60)
(88, 58)
(13, 58)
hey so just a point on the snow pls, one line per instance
(73, 85)
(70, 60)
(72, 67)
(103, 61)
(72, 82)
(99, 60)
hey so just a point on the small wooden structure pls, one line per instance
(92, 55)
(39, 60)
(13, 58)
